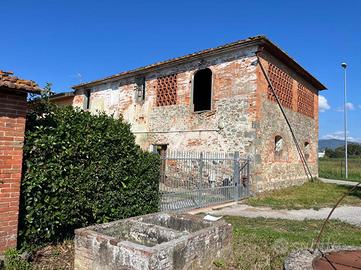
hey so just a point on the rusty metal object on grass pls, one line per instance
(341, 260)
(318, 239)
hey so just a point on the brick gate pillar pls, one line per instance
(13, 106)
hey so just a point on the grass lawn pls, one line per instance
(258, 244)
(310, 195)
(334, 168)
(264, 243)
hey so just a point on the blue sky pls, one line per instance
(66, 42)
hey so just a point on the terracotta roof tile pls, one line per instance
(9, 81)
(257, 40)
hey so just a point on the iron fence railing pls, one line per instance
(197, 179)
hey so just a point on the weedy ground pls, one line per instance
(334, 168)
(58, 256)
(260, 243)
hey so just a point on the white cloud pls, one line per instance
(339, 135)
(353, 139)
(349, 106)
(323, 104)
(335, 135)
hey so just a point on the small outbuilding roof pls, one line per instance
(257, 40)
(10, 82)
(61, 95)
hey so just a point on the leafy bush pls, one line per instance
(13, 261)
(81, 169)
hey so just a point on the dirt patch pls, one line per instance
(60, 256)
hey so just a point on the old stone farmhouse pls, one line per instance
(218, 100)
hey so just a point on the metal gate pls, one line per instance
(197, 179)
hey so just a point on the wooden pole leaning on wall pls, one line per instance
(303, 159)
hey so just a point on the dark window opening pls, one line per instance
(161, 149)
(139, 89)
(307, 150)
(202, 90)
(87, 99)
(278, 148)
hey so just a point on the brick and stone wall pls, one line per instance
(12, 124)
(226, 127)
(270, 171)
(244, 116)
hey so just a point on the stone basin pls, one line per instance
(155, 241)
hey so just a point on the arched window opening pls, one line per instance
(278, 147)
(202, 90)
(307, 150)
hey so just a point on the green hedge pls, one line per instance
(81, 169)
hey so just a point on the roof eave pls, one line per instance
(284, 57)
(176, 61)
(254, 41)
(22, 90)
(61, 95)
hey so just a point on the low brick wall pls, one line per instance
(156, 241)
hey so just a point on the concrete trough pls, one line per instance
(155, 241)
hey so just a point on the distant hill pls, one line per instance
(331, 144)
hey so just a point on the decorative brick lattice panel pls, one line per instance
(305, 100)
(167, 90)
(282, 83)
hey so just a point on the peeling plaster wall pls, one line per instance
(227, 127)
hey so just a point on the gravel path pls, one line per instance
(349, 214)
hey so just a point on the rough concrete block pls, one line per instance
(157, 241)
